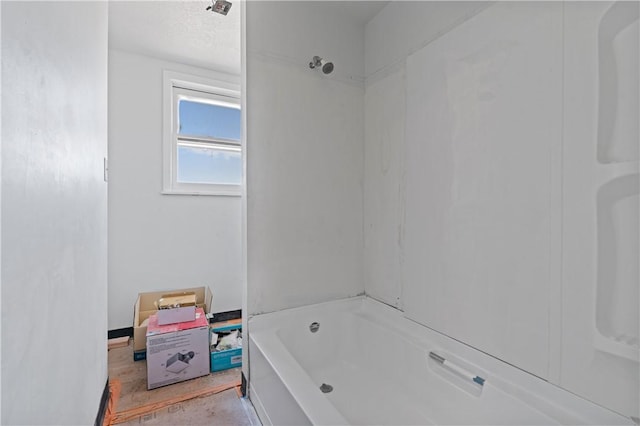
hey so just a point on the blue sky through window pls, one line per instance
(208, 165)
(208, 120)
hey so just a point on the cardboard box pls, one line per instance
(230, 358)
(177, 307)
(145, 307)
(177, 352)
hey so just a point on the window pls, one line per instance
(202, 145)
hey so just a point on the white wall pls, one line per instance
(384, 187)
(304, 155)
(399, 30)
(54, 211)
(446, 222)
(483, 131)
(485, 209)
(160, 242)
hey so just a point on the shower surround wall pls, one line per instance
(486, 199)
(390, 37)
(304, 156)
(501, 201)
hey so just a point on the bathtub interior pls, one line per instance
(378, 364)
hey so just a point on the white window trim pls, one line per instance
(218, 91)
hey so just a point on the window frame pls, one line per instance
(182, 86)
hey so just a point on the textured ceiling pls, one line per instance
(180, 31)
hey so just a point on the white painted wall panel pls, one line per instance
(593, 303)
(160, 242)
(304, 185)
(401, 28)
(54, 211)
(483, 123)
(304, 156)
(384, 187)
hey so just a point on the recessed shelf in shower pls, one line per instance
(617, 317)
(618, 72)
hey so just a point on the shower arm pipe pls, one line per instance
(277, 58)
(456, 369)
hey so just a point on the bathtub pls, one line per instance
(374, 367)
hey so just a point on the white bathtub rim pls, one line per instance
(267, 320)
(552, 401)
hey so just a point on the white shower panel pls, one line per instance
(304, 188)
(483, 137)
(305, 137)
(600, 310)
(384, 187)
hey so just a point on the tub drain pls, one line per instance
(325, 388)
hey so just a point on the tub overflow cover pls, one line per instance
(314, 327)
(325, 388)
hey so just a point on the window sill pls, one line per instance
(215, 193)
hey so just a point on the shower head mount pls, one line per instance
(323, 64)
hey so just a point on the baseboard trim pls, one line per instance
(227, 316)
(120, 332)
(104, 404)
(243, 385)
